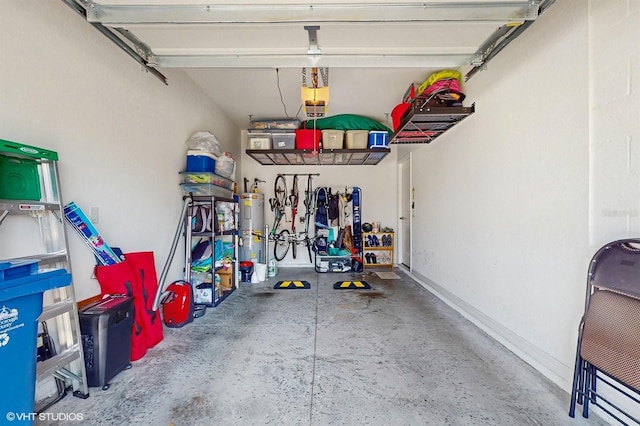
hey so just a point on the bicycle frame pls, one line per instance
(279, 214)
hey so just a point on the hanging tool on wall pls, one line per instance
(254, 186)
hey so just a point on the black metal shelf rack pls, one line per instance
(423, 124)
(338, 157)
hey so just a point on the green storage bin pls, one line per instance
(19, 179)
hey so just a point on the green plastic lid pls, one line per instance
(27, 150)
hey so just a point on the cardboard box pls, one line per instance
(226, 282)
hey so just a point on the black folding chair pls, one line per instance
(609, 333)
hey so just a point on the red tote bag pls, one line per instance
(145, 269)
(121, 278)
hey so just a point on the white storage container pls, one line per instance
(259, 141)
(284, 140)
(332, 139)
(357, 139)
(276, 123)
(206, 189)
(204, 177)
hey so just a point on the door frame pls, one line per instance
(404, 188)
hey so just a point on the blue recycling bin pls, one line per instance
(21, 289)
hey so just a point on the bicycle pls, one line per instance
(277, 203)
(285, 238)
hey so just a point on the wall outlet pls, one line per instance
(93, 215)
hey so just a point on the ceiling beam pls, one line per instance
(504, 11)
(306, 61)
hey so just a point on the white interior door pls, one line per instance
(403, 244)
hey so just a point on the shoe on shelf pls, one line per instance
(373, 258)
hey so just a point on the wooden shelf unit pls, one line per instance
(383, 253)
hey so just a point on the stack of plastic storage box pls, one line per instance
(21, 292)
(208, 172)
(198, 182)
(278, 133)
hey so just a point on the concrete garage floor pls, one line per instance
(391, 355)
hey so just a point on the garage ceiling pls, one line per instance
(248, 56)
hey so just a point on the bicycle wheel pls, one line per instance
(281, 246)
(308, 193)
(308, 205)
(294, 189)
(280, 190)
(278, 202)
(292, 201)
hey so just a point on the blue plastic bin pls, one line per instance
(200, 162)
(20, 307)
(17, 269)
(378, 139)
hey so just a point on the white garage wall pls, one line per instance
(118, 130)
(510, 205)
(615, 108)
(503, 229)
(614, 182)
